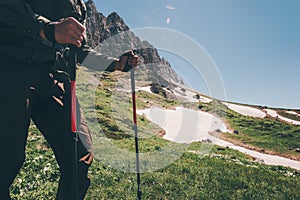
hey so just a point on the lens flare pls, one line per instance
(170, 7)
(168, 20)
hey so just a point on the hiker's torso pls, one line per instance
(57, 9)
(30, 50)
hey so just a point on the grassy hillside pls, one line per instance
(220, 173)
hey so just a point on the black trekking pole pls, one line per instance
(72, 72)
(139, 192)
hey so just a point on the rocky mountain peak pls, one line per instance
(110, 35)
(114, 18)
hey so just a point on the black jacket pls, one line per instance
(22, 20)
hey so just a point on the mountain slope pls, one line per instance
(157, 74)
(220, 173)
(110, 35)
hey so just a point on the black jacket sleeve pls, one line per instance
(20, 25)
(92, 59)
(18, 19)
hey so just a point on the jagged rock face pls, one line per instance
(94, 23)
(110, 35)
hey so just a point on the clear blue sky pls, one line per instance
(254, 43)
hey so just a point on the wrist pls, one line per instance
(42, 34)
(113, 66)
(49, 32)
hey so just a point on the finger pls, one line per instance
(76, 24)
(74, 28)
(76, 32)
(75, 42)
(71, 40)
(75, 35)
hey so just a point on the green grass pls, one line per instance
(268, 134)
(170, 170)
(219, 174)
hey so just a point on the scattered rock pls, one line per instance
(158, 89)
(259, 160)
(207, 141)
(162, 133)
(218, 131)
(197, 96)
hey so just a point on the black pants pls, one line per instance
(26, 93)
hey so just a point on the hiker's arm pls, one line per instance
(17, 16)
(97, 61)
(18, 22)
(94, 60)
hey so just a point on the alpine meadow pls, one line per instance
(192, 145)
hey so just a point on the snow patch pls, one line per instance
(246, 110)
(274, 114)
(146, 89)
(293, 113)
(184, 125)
